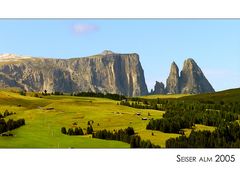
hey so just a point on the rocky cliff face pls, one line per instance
(191, 80)
(107, 72)
(159, 88)
(172, 85)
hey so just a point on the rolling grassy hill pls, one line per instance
(231, 95)
(43, 126)
(164, 96)
(42, 129)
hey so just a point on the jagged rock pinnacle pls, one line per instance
(172, 84)
(193, 80)
(159, 88)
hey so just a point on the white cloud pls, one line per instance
(81, 29)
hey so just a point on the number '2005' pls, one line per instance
(225, 158)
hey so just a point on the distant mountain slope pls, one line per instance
(231, 95)
(106, 72)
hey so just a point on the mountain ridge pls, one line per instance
(112, 73)
(191, 80)
(106, 72)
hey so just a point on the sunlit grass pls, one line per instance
(165, 96)
(43, 127)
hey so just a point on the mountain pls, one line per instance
(106, 72)
(173, 85)
(159, 88)
(190, 81)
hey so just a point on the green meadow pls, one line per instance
(43, 125)
(165, 96)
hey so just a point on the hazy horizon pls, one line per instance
(213, 44)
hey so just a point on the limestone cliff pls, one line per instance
(172, 85)
(106, 72)
(193, 80)
(159, 88)
(190, 81)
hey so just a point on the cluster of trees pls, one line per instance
(10, 124)
(169, 125)
(210, 115)
(137, 142)
(140, 104)
(176, 119)
(170, 104)
(77, 130)
(71, 131)
(6, 113)
(180, 113)
(45, 93)
(227, 135)
(127, 135)
(89, 129)
(101, 95)
(186, 112)
(120, 135)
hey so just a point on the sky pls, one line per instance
(213, 44)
